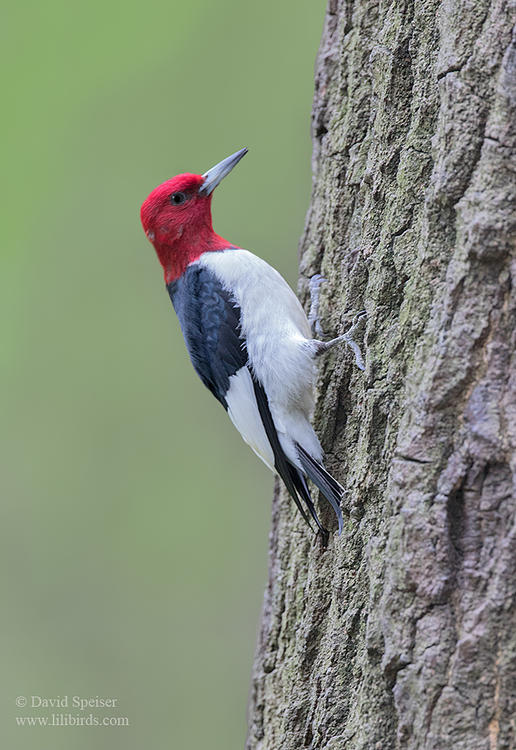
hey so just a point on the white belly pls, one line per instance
(274, 326)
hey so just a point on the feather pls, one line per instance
(292, 477)
(246, 334)
(329, 487)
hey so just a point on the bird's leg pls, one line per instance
(321, 347)
(347, 338)
(313, 316)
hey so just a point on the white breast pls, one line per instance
(273, 323)
(276, 331)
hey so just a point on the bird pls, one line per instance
(247, 335)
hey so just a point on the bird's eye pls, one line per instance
(177, 198)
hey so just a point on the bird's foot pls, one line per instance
(314, 286)
(347, 338)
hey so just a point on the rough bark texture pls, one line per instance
(402, 633)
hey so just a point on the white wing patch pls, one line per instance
(243, 412)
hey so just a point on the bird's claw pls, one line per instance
(314, 285)
(348, 338)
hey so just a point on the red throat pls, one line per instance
(180, 233)
(176, 254)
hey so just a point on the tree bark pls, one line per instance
(402, 632)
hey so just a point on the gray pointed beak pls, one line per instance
(217, 173)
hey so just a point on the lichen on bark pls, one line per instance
(402, 633)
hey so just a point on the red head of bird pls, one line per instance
(176, 217)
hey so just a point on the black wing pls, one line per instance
(210, 322)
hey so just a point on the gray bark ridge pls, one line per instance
(402, 633)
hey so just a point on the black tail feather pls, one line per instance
(302, 488)
(328, 486)
(292, 477)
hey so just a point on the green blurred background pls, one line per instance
(135, 520)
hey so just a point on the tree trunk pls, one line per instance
(402, 632)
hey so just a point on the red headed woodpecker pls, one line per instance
(247, 335)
